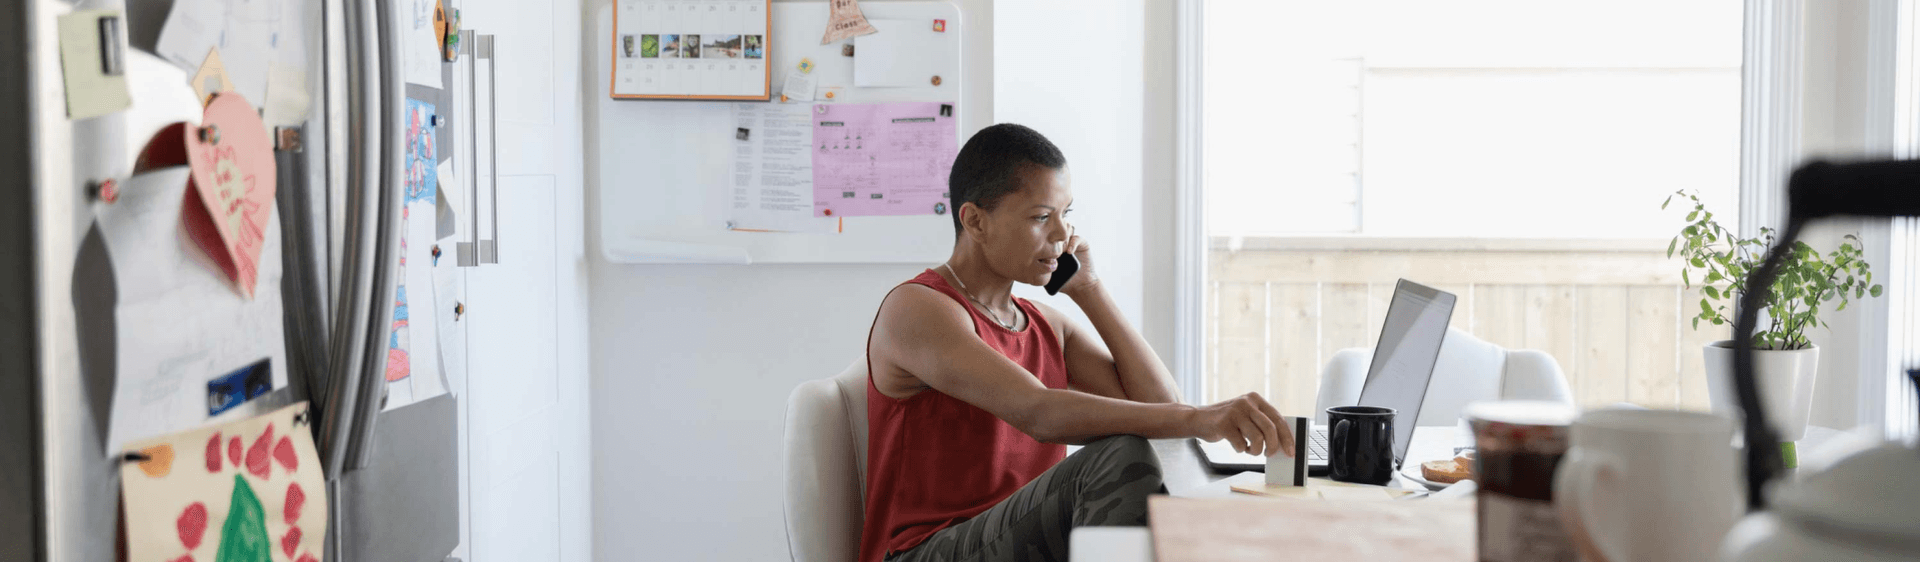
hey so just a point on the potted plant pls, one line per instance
(1785, 361)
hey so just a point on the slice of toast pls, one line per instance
(1446, 471)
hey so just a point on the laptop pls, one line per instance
(1402, 366)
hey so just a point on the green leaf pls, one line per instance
(1700, 263)
(1875, 291)
(1685, 278)
(1706, 307)
(1718, 322)
(1711, 292)
(1696, 322)
(1663, 204)
(1670, 246)
(1693, 215)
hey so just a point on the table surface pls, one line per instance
(1187, 474)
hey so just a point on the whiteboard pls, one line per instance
(661, 167)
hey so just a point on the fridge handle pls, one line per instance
(361, 278)
(469, 249)
(489, 249)
(391, 190)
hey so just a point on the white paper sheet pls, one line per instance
(419, 42)
(246, 32)
(799, 87)
(447, 204)
(179, 322)
(248, 45)
(192, 27)
(449, 325)
(902, 53)
(424, 377)
(287, 98)
(773, 169)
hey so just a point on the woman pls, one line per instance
(974, 394)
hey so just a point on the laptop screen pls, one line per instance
(1403, 361)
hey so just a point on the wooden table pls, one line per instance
(1188, 478)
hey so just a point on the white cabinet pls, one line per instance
(524, 442)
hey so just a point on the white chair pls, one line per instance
(826, 442)
(1469, 369)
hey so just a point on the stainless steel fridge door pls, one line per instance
(397, 495)
(60, 486)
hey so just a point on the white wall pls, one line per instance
(692, 365)
(1045, 78)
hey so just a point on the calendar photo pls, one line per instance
(691, 50)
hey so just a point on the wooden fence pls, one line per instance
(1614, 314)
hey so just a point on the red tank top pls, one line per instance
(934, 461)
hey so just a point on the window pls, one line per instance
(1514, 153)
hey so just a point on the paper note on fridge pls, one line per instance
(419, 44)
(799, 86)
(773, 169)
(882, 159)
(177, 322)
(246, 490)
(93, 63)
(901, 53)
(245, 31)
(413, 371)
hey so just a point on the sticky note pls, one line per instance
(92, 55)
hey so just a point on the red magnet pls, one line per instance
(106, 190)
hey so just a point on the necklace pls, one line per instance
(983, 306)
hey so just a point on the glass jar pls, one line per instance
(1518, 445)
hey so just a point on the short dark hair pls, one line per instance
(988, 167)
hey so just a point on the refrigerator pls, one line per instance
(392, 475)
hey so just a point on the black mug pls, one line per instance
(1360, 444)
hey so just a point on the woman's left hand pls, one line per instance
(1086, 278)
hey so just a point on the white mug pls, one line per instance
(1648, 485)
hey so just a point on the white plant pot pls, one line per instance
(1786, 385)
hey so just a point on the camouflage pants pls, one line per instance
(1105, 483)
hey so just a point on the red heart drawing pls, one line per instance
(305, 557)
(291, 542)
(284, 453)
(233, 186)
(213, 453)
(257, 463)
(192, 525)
(295, 499)
(233, 450)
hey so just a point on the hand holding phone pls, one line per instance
(1069, 265)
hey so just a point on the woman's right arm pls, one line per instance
(920, 331)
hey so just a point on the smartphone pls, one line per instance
(1069, 265)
